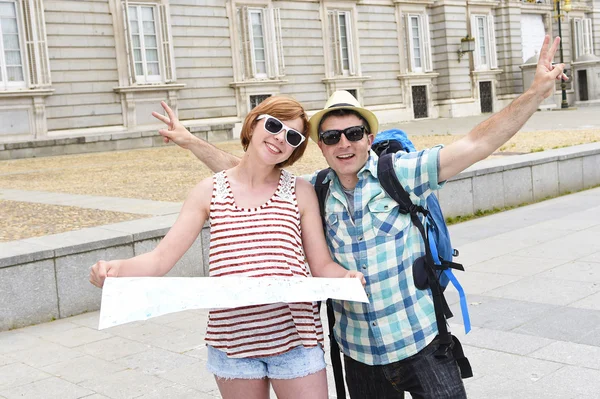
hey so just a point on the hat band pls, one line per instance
(343, 105)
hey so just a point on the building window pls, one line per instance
(11, 56)
(482, 29)
(257, 99)
(23, 50)
(150, 53)
(582, 37)
(341, 43)
(417, 27)
(260, 42)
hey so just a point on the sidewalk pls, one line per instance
(568, 119)
(533, 285)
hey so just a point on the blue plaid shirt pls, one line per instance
(382, 243)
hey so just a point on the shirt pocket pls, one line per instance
(386, 217)
(333, 224)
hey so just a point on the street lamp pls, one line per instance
(563, 84)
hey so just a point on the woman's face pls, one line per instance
(273, 147)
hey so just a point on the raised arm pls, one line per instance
(490, 134)
(171, 248)
(216, 159)
(313, 239)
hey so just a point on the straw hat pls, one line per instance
(342, 99)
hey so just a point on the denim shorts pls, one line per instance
(298, 362)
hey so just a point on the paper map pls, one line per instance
(127, 299)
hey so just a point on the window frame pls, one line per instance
(274, 60)
(335, 46)
(162, 26)
(145, 78)
(5, 84)
(583, 40)
(491, 61)
(261, 14)
(424, 42)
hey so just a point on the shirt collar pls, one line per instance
(370, 166)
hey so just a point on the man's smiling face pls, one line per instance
(346, 157)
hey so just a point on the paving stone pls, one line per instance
(180, 341)
(4, 360)
(581, 382)
(44, 354)
(515, 265)
(201, 352)
(155, 361)
(519, 369)
(197, 323)
(43, 329)
(591, 338)
(563, 324)
(489, 248)
(595, 257)
(505, 314)
(89, 319)
(112, 348)
(142, 331)
(545, 290)
(503, 341)
(83, 368)
(570, 247)
(17, 374)
(177, 392)
(570, 353)
(575, 271)
(50, 388)
(501, 387)
(194, 375)
(478, 283)
(590, 302)
(12, 341)
(173, 317)
(125, 384)
(77, 336)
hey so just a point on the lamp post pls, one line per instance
(563, 84)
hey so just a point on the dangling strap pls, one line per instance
(334, 350)
(464, 309)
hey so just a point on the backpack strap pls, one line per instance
(389, 181)
(322, 189)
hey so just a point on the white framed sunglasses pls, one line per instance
(274, 126)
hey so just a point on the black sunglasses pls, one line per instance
(273, 125)
(352, 133)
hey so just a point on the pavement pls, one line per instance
(532, 281)
(533, 284)
(557, 119)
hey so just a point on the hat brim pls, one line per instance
(315, 120)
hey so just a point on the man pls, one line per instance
(388, 345)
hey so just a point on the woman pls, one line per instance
(263, 222)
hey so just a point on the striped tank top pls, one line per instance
(263, 241)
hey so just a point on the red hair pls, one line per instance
(282, 108)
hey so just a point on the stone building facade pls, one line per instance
(74, 67)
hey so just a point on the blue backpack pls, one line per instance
(433, 271)
(435, 232)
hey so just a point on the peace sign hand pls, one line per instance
(175, 131)
(546, 72)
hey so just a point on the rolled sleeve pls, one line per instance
(418, 171)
